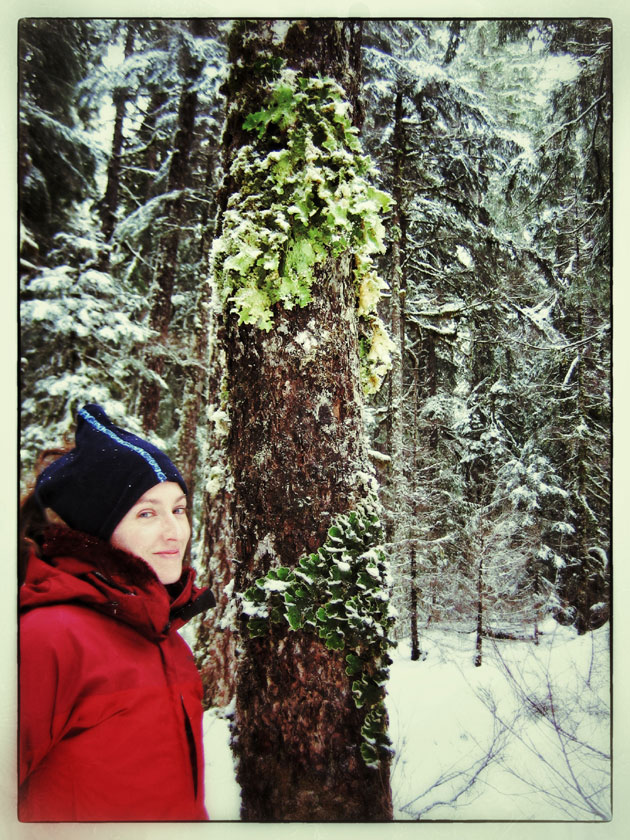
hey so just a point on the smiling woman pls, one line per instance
(110, 698)
(157, 529)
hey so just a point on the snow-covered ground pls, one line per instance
(223, 795)
(523, 737)
(526, 736)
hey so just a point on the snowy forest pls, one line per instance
(354, 276)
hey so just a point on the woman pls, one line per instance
(110, 698)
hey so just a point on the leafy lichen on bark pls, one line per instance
(303, 192)
(341, 594)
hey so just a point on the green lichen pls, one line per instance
(340, 593)
(304, 191)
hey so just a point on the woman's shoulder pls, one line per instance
(75, 639)
(50, 622)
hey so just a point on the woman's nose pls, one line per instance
(169, 527)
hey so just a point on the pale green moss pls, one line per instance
(295, 205)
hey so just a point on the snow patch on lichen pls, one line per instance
(220, 420)
(215, 481)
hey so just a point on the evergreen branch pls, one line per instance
(572, 122)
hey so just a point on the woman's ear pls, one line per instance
(53, 518)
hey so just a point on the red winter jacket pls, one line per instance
(110, 697)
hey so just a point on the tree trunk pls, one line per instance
(480, 608)
(415, 640)
(164, 282)
(298, 458)
(296, 449)
(110, 199)
(215, 647)
(413, 609)
(399, 502)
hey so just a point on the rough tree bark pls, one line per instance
(215, 647)
(413, 564)
(297, 453)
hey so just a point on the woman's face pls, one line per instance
(157, 530)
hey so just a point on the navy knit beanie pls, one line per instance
(94, 485)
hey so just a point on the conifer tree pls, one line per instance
(576, 158)
(163, 285)
(57, 162)
(294, 260)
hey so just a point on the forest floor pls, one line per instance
(525, 736)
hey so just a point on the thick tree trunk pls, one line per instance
(298, 458)
(297, 453)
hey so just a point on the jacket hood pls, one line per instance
(81, 569)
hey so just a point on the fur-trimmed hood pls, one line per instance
(81, 569)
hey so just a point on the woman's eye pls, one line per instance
(180, 510)
(145, 514)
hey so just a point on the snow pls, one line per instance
(223, 796)
(444, 727)
(280, 29)
(480, 743)
(307, 341)
(464, 256)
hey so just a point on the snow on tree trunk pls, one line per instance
(298, 459)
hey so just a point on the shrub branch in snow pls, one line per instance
(459, 781)
(573, 773)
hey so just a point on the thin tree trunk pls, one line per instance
(216, 644)
(413, 609)
(203, 382)
(400, 504)
(415, 641)
(480, 608)
(109, 204)
(537, 589)
(215, 648)
(164, 281)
